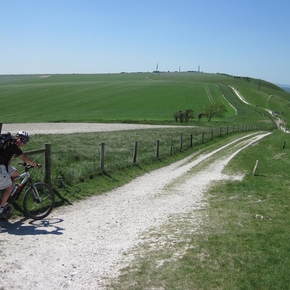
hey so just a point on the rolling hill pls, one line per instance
(136, 97)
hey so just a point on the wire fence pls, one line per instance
(116, 156)
(142, 152)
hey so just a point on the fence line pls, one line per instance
(204, 137)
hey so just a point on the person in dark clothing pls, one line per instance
(8, 173)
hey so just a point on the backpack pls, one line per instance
(4, 138)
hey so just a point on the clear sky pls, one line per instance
(241, 38)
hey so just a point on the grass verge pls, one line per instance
(242, 241)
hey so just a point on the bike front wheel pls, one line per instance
(38, 201)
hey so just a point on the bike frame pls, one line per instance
(26, 177)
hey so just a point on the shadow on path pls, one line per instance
(48, 226)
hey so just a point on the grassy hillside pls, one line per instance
(234, 248)
(134, 97)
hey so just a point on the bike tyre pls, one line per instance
(39, 210)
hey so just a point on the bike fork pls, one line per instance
(37, 198)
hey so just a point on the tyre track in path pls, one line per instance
(82, 245)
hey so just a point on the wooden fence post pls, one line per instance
(256, 167)
(180, 147)
(47, 162)
(102, 157)
(202, 137)
(190, 141)
(157, 148)
(135, 152)
(171, 147)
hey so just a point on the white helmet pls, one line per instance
(23, 134)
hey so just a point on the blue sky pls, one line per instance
(242, 38)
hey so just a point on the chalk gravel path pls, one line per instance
(82, 245)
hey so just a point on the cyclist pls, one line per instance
(7, 172)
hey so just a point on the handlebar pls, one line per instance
(28, 166)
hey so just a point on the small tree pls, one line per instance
(215, 110)
(179, 116)
(199, 116)
(183, 116)
(188, 114)
(176, 116)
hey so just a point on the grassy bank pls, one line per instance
(243, 239)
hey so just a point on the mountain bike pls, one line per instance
(38, 200)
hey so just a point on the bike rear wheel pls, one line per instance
(38, 201)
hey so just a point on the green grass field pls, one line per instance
(135, 97)
(234, 248)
